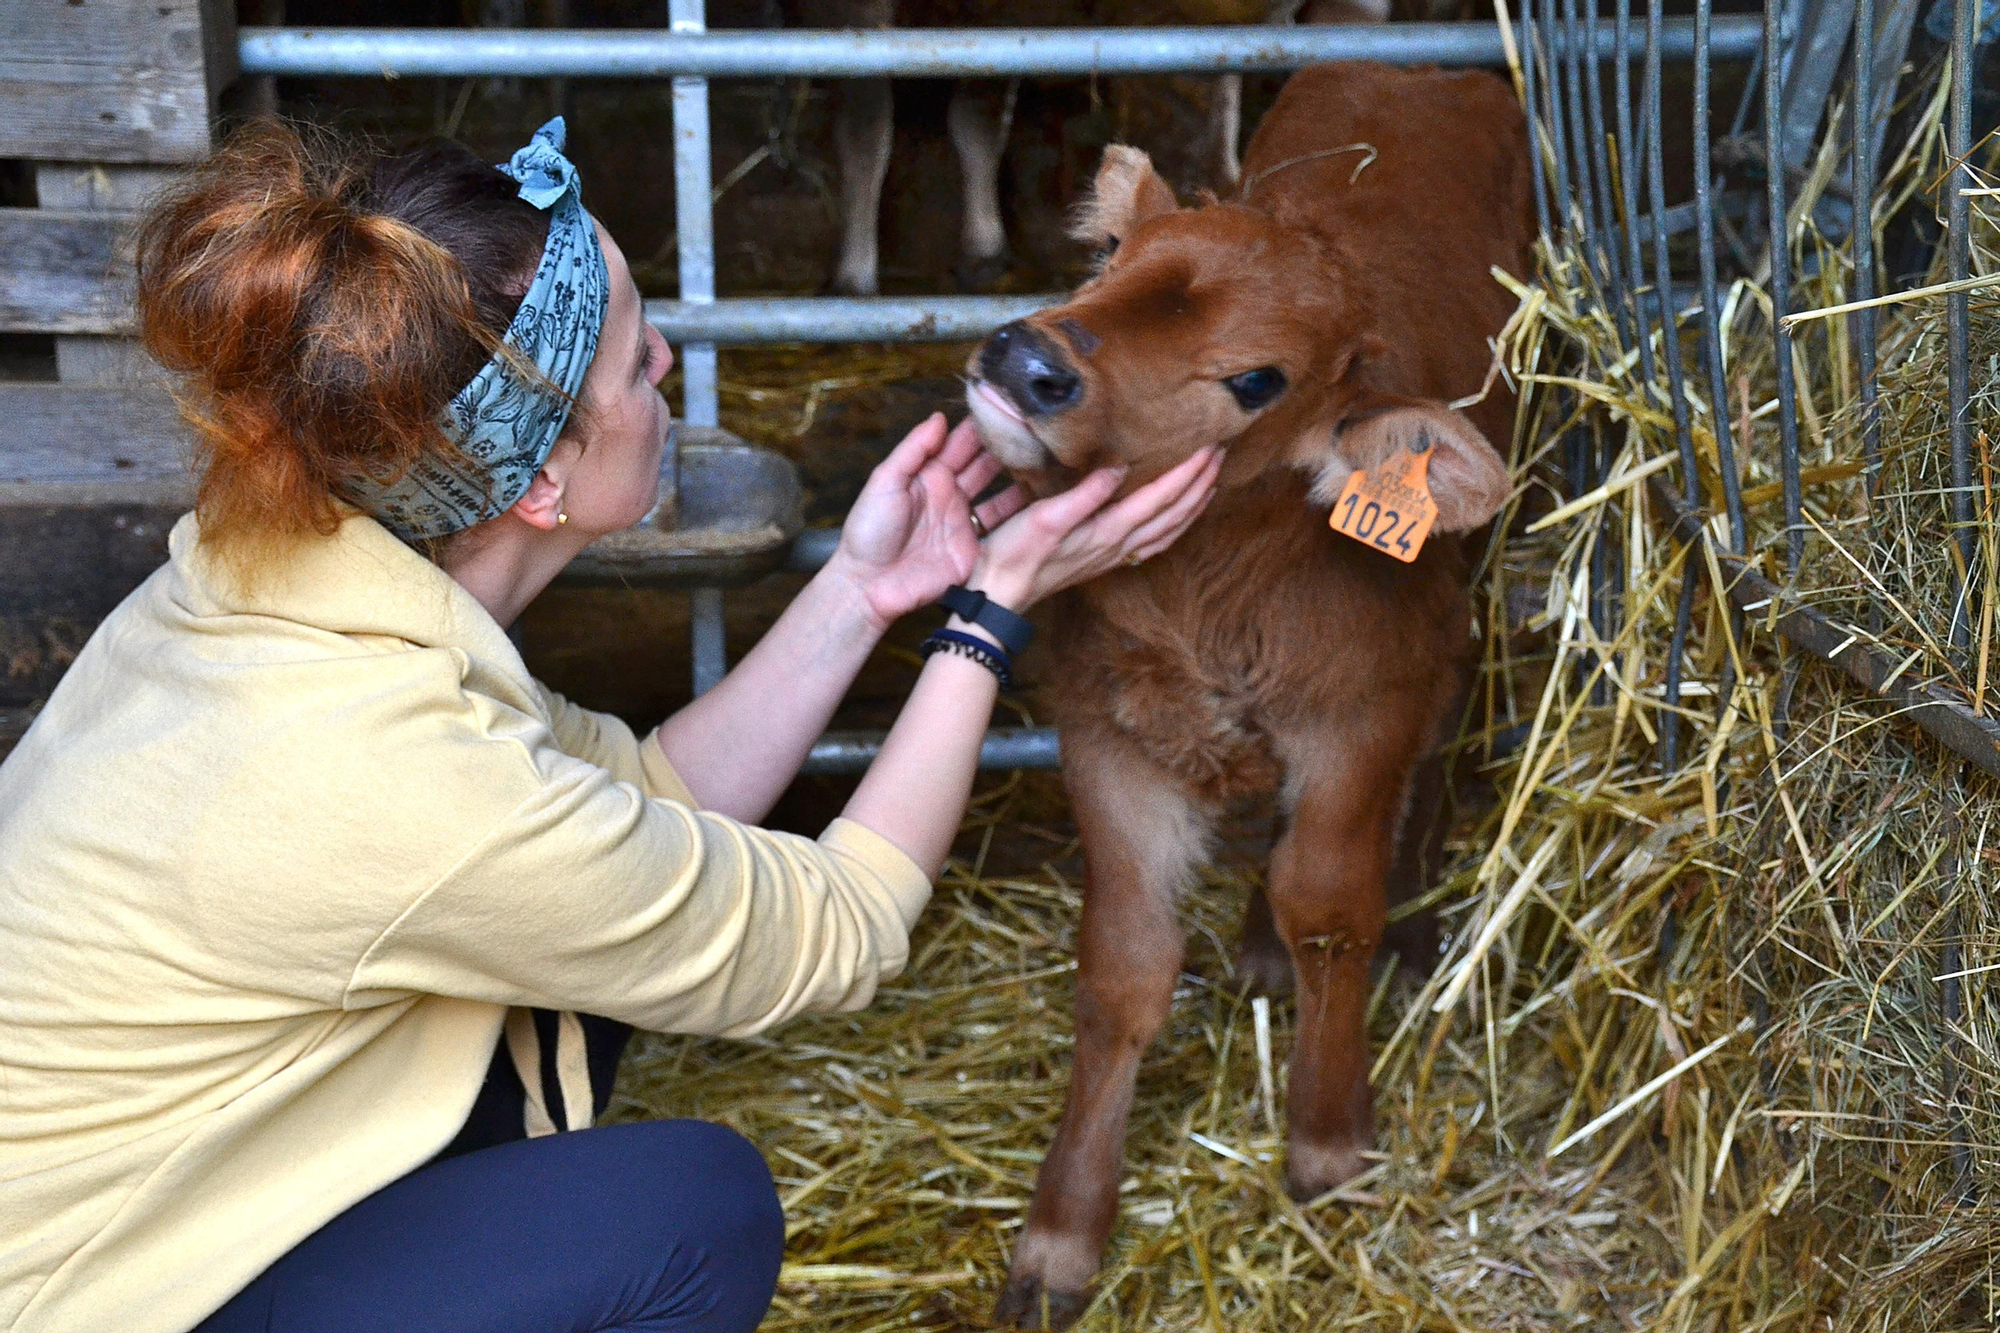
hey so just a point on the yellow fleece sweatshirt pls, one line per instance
(275, 861)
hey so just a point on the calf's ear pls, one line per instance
(1468, 479)
(1127, 192)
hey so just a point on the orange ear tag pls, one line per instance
(1389, 509)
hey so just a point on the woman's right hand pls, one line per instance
(1073, 537)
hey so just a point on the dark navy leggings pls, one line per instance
(667, 1225)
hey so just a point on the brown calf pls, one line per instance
(1320, 324)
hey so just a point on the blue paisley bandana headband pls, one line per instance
(505, 422)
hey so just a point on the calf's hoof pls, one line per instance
(1026, 1303)
(1311, 1169)
(1048, 1283)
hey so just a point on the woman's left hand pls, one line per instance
(910, 534)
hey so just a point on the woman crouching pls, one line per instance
(305, 881)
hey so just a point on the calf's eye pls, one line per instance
(1255, 388)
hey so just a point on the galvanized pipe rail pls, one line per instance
(907, 53)
(746, 321)
(690, 55)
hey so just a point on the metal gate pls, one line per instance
(1591, 209)
(1591, 212)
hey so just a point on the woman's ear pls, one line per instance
(1128, 191)
(542, 505)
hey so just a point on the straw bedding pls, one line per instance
(1692, 1058)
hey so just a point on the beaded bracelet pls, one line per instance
(960, 644)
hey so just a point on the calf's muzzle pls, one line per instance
(1020, 360)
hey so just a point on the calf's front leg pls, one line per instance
(1347, 789)
(1142, 841)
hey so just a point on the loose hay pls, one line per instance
(1709, 1049)
(906, 1139)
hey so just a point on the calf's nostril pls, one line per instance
(1053, 390)
(1032, 370)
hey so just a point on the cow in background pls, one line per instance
(981, 111)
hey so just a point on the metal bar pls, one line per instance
(1603, 595)
(694, 221)
(1628, 188)
(1579, 138)
(1958, 143)
(910, 53)
(1611, 261)
(1003, 747)
(1891, 45)
(1941, 711)
(1814, 35)
(1558, 137)
(1711, 311)
(706, 646)
(1606, 575)
(694, 224)
(1580, 469)
(749, 320)
(1781, 284)
(1861, 328)
(1670, 335)
(1670, 352)
(1670, 721)
(1536, 139)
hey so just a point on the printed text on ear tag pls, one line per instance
(1390, 508)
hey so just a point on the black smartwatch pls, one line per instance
(975, 608)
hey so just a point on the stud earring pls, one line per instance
(561, 517)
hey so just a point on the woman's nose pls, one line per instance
(666, 356)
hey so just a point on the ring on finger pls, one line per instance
(978, 524)
(1133, 559)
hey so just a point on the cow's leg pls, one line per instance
(1347, 787)
(1223, 133)
(980, 115)
(1143, 839)
(863, 127)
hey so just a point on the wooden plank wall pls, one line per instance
(107, 99)
(65, 272)
(85, 205)
(112, 80)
